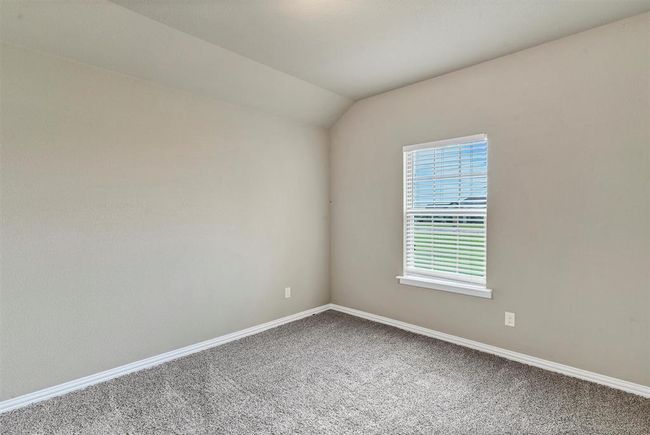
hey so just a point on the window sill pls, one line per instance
(447, 285)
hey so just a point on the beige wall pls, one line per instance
(138, 219)
(568, 217)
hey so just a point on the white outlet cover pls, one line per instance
(287, 292)
(510, 319)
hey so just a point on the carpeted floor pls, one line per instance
(337, 374)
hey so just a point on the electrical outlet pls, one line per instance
(510, 319)
(287, 292)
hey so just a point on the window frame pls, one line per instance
(441, 280)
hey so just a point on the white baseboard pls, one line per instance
(78, 384)
(619, 384)
(87, 381)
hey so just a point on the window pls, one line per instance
(445, 215)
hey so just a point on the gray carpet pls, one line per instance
(337, 374)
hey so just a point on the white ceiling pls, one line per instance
(357, 48)
(301, 59)
(103, 34)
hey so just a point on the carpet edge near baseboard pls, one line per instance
(574, 372)
(106, 375)
(84, 382)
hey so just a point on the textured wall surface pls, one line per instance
(568, 215)
(138, 219)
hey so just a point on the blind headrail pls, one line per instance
(482, 137)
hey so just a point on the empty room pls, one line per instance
(325, 217)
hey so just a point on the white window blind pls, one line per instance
(445, 209)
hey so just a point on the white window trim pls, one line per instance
(453, 285)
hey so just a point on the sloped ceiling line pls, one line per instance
(111, 37)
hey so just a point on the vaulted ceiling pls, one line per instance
(358, 48)
(104, 34)
(305, 59)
